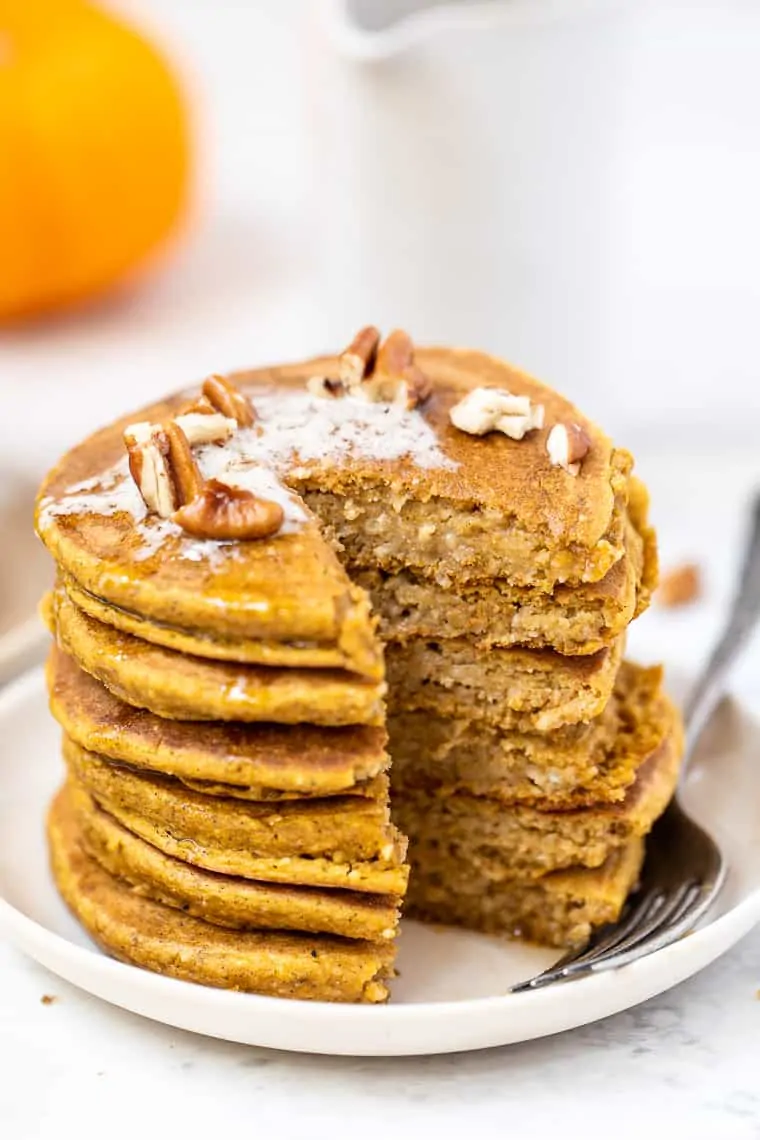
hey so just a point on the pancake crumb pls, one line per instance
(48, 999)
(682, 586)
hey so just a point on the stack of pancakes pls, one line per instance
(225, 816)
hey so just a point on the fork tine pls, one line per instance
(669, 911)
(645, 910)
(638, 913)
(701, 899)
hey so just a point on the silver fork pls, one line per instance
(684, 869)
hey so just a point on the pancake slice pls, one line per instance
(179, 687)
(576, 766)
(572, 620)
(246, 651)
(526, 690)
(258, 761)
(144, 933)
(559, 909)
(222, 899)
(500, 843)
(375, 877)
(348, 829)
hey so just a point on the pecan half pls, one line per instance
(225, 398)
(396, 378)
(185, 472)
(567, 446)
(358, 360)
(162, 465)
(148, 450)
(224, 512)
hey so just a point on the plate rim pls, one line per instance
(43, 944)
(16, 644)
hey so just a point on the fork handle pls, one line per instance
(740, 623)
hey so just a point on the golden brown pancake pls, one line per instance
(160, 938)
(527, 690)
(559, 909)
(223, 899)
(578, 766)
(283, 654)
(500, 843)
(375, 876)
(179, 687)
(504, 511)
(258, 761)
(571, 620)
(349, 829)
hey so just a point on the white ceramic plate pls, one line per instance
(25, 573)
(21, 647)
(451, 992)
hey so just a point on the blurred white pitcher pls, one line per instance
(572, 184)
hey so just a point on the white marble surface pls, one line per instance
(253, 285)
(683, 1064)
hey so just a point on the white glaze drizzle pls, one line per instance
(115, 492)
(289, 425)
(296, 423)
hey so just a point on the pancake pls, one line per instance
(283, 654)
(378, 877)
(559, 909)
(160, 938)
(571, 620)
(576, 766)
(344, 828)
(179, 687)
(258, 761)
(222, 899)
(488, 507)
(526, 690)
(500, 843)
(290, 590)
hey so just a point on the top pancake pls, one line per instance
(521, 518)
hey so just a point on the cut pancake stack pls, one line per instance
(225, 817)
(529, 760)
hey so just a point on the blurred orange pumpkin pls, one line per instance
(94, 152)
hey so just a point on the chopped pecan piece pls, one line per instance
(224, 512)
(185, 472)
(324, 386)
(567, 446)
(148, 450)
(494, 409)
(199, 406)
(681, 586)
(206, 427)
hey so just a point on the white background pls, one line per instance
(578, 191)
(575, 189)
